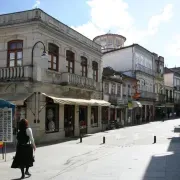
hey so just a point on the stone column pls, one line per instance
(99, 117)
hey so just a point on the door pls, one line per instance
(83, 119)
(69, 111)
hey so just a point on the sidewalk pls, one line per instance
(118, 159)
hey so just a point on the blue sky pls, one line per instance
(151, 23)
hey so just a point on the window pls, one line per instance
(129, 90)
(124, 89)
(53, 57)
(52, 116)
(113, 88)
(94, 116)
(119, 90)
(95, 70)
(70, 57)
(84, 66)
(106, 88)
(15, 53)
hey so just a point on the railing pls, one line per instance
(15, 73)
(160, 98)
(170, 100)
(79, 81)
(144, 69)
(147, 95)
(177, 101)
(159, 76)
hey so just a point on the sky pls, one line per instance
(151, 23)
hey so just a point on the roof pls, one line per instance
(132, 45)
(172, 70)
(110, 35)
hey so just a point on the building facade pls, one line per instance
(159, 87)
(59, 93)
(137, 62)
(118, 89)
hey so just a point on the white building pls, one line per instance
(58, 94)
(136, 61)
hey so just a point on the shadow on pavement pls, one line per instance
(165, 166)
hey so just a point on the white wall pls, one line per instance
(168, 79)
(120, 60)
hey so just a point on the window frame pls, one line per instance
(71, 61)
(52, 55)
(84, 66)
(15, 51)
(95, 70)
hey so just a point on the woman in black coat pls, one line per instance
(24, 151)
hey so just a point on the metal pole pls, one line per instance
(104, 140)
(154, 139)
(32, 55)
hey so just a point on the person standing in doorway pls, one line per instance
(24, 151)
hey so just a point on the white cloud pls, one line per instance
(37, 4)
(156, 20)
(173, 49)
(114, 15)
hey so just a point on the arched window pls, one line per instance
(53, 52)
(84, 66)
(70, 58)
(95, 70)
(15, 53)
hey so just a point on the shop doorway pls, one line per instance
(83, 119)
(69, 112)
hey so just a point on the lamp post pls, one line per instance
(32, 55)
(32, 64)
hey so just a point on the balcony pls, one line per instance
(147, 95)
(169, 100)
(160, 98)
(177, 101)
(159, 76)
(79, 81)
(19, 73)
(115, 99)
(144, 69)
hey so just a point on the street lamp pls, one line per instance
(44, 55)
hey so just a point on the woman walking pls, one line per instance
(24, 150)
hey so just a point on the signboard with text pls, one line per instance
(6, 129)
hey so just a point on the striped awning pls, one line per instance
(73, 101)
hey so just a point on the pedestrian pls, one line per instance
(24, 150)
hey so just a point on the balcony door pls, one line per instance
(69, 112)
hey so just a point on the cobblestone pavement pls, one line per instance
(128, 153)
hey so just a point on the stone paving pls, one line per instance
(128, 154)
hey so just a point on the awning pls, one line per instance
(17, 99)
(73, 101)
(136, 104)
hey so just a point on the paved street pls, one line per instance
(129, 153)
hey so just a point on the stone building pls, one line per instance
(59, 93)
(118, 89)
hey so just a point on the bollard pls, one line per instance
(80, 138)
(154, 139)
(104, 140)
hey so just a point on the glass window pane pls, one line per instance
(19, 55)
(12, 55)
(54, 66)
(11, 63)
(19, 62)
(49, 64)
(12, 45)
(54, 59)
(49, 57)
(19, 45)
